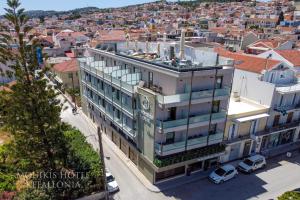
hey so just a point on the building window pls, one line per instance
(212, 129)
(216, 106)
(232, 131)
(276, 120)
(289, 117)
(281, 100)
(219, 82)
(253, 126)
(272, 76)
(294, 99)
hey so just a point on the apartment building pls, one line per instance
(163, 104)
(245, 119)
(274, 84)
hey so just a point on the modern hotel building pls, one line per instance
(163, 104)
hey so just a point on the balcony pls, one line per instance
(278, 128)
(286, 108)
(192, 143)
(196, 121)
(215, 138)
(114, 75)
(200, 154)
(197, 97)
(166, 149)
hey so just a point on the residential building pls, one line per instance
(66, 74)
(274, 84)
(245, 119)
(164, 105)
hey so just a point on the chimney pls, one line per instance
(182, 43)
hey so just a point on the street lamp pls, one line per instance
(102, 160)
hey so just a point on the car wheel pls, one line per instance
(221, 181)
(235, 175)
(264, 166)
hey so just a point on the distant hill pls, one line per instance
(49, 13)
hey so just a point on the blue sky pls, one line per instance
(71, 4)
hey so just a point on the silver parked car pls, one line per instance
(252, 163)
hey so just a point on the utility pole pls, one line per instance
(103, 163)
(73, 87)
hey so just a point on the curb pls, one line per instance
(105, 139)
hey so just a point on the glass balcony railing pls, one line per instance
(128, 130)
(163, 148)
(197, 141)
(195, 96)
(193, 120)
(192, 143)
(215, 138)
(106, 74)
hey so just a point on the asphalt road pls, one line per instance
(280, 175)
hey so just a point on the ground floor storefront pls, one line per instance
(279, 142)
(152, 172)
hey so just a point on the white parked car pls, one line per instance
(223, 174)
(112, 184)
(252, 163)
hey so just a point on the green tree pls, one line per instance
(31, 111)
(290, 196)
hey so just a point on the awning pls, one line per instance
(253, 117)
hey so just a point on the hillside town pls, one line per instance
(182, 92)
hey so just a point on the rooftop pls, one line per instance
(67, 66)
(167, 55)
(293, 56)
(244, 107)
(249, 63)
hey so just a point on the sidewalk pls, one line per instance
(162, 186)
(168, 184)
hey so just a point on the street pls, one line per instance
(280, 175)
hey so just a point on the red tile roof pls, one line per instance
(70, 34)
(293, 56)
(249, 63)
(67, 66)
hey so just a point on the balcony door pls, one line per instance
(219, 82)
(170, 138)
(289, 117)
(172, 113)
(212, 129)
(216, 106)
(276, 120)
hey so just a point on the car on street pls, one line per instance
(252, 163)
(223, 173)
(112, 184)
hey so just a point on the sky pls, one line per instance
(63, 5)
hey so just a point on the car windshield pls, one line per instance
(220, 172)
(110, 178)
(248, 162)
